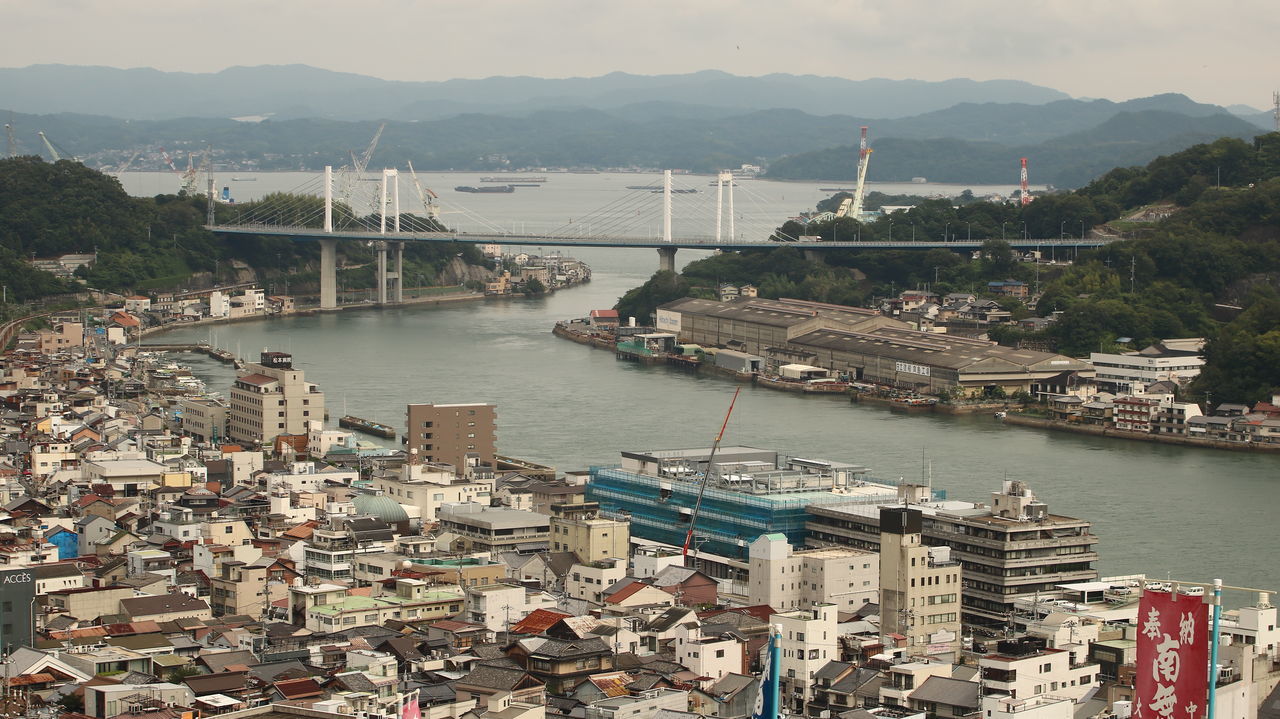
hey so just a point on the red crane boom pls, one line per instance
(697, 506)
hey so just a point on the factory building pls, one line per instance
(867, 347)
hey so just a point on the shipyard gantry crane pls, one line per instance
(1026, 187)
(853, 205)
(54, 150)
(425, 195)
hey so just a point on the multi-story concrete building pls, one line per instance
(473, 527)
(334, 549)
(1136, 414)
(202, 418)
(1014, 549)
(808, 643)
(587, 582)
(1024, 669)
(919, 586)
(1179, 360)
(430, 486)
(413, 601)
(271, 398)
(579, 528)
(463, 435)
(749, 492)
(784, 578)
(243, 589)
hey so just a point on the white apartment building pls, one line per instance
(498, 606)
(707, 656)
(809, 641)
(785, 579)
(1026, 669)
(587, 582)
(1179, 360)
(430, 486)
(998, 706)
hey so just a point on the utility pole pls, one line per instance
(1133, 266)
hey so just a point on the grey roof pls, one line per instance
(667, 619)
(492, 677)
(564, 649)
(162, 604)
(832, 670)
(731, 684)
(672, 575)
(945, 690)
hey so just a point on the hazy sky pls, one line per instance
(1223, 51)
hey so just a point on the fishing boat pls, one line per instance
(367, 426)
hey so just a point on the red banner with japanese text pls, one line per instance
(1172, 679)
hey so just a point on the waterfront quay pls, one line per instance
(872, 357)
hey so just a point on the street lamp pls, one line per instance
(1002, 224)
(1082, 230)
(1062, 230)
(968, 231)
(891, 230)
(946, 230)
(1024, 230)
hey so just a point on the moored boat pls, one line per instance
(367, 426)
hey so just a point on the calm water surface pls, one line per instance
(1190, 513)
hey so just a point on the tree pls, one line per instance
(534, 287)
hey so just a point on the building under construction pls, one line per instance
(749, 492)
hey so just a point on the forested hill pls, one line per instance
(51, 209)
(1216, 243)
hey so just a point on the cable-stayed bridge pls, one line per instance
(353, 209)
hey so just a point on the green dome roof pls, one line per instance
(380, 506)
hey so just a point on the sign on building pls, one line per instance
(910, 368)
(668, 321)
(17, 595)
(1172, 677)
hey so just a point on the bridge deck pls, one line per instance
(689, 243)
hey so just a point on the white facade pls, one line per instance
(808, 643)
(1060, 673)
(998, 706)
(785, 579)
(587, 582)
(1133, 371)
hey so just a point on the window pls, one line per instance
(228, 530)
(719, 654)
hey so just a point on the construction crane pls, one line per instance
(55, 151)
(127, 163)
(864, 159)
(706, 476)
(425, 195)
(363, 161)
(853, 205)
(1026, 188)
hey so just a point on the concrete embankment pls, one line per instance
(1095, 430)
(429, 300)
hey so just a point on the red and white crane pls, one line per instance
(706, 476)
(1026, 188)
(853, 205)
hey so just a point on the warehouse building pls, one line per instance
(866, 346)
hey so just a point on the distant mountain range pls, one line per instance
(957, 130)
(300, 91)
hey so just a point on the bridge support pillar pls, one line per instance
(328, 274)
(381, 276)
(813, 256)
(398, 278)
(667, 259)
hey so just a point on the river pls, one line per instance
(1193, 514)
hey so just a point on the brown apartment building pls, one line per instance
(462, 435)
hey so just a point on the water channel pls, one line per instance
(1192, 514)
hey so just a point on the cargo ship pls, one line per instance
(495, 188)
(367, 426)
